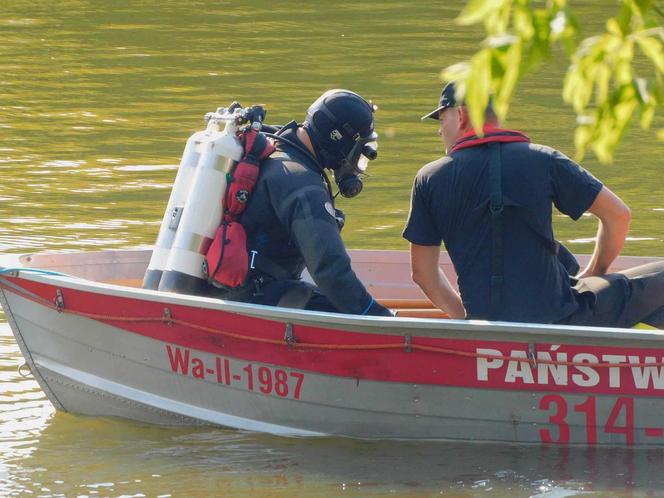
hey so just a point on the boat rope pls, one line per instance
(406, 343)
(40, 271)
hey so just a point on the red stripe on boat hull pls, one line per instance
(387, 365)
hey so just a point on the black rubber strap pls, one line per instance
(496, 210)
(308, 154)
(266, 265)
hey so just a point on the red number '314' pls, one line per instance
(557, 418)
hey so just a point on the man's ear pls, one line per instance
(464, 118)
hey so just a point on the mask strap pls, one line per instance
(302, 149)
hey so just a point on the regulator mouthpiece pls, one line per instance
(349, 186)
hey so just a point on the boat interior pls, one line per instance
(386, 273)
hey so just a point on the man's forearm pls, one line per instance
(433, 282)
(438, 289)
(614, 218)
(610, 241)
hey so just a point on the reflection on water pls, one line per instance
(58, 454)
(96, 102)
(73, 454)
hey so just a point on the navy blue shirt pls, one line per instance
(449, 204)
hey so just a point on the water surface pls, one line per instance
(96, 102)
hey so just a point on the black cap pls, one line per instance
(447, 99)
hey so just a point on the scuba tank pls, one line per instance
(174, 209)
(202, 211)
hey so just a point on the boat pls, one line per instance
(99, 345)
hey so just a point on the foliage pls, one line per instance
(612, 75)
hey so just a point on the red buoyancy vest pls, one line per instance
(491, 134)
(227, 260)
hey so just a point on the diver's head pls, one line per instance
(340, 125)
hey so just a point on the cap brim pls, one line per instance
(433, 114)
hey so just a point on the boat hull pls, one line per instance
(107, 350)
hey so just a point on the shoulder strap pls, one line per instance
(242, 179)
(497, 204)
(496, 209)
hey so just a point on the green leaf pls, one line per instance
(571, 33)
(578, 88)
(478, 10)
(602, 80)
(624, 110)
(456, 72)
(478, 87)
(653, 50)
(623, 22)
(509, 80)
(613, 27)
(582, 136)
(523, 23)
(613, 119)
(660, 134)
(647, 115)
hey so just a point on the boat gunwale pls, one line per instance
(396, 326)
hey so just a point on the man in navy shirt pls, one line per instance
(490, 201)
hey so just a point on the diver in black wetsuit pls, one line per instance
(291, 221)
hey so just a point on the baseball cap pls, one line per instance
(447, 99)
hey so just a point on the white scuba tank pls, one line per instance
(175, 207)
(202, 211)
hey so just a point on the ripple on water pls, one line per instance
(24, 408)
(146, 167)
(61, 164)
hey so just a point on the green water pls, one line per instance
(96, 102)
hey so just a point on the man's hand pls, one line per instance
(614, 218)
(433, 282)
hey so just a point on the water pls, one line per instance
(96, 102)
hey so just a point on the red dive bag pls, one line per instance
(226, 262)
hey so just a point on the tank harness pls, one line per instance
(228, 261)
(493, 138)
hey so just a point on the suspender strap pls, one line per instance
(496, 210)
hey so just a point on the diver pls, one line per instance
(291, 222)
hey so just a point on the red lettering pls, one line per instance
(198, 370)
(588, 407)
(628, 429)
(298, 385)
(217, 364)
(227, 372)
(557, 418)
(250, 377)
(178, 363)
(269, 381)
(281, 386)
(265, 380)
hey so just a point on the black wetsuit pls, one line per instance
(291, 225)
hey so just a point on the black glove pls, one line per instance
(377, 309)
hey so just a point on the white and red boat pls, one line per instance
(100, 345)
